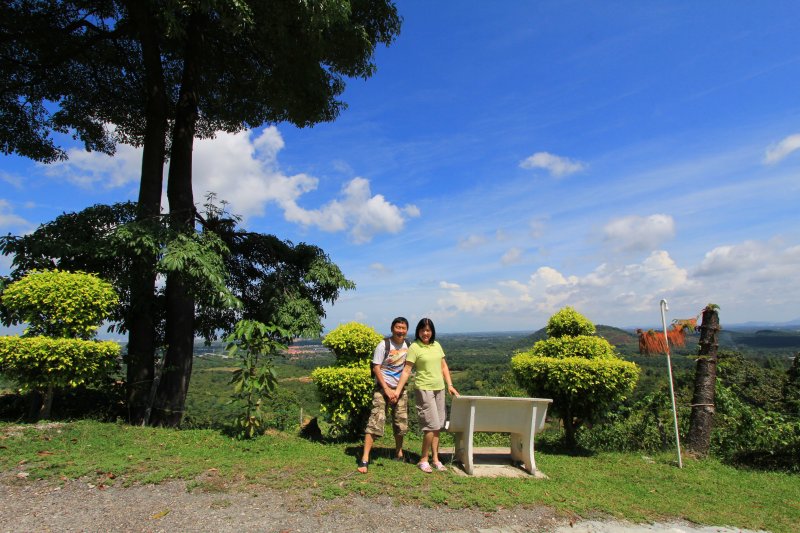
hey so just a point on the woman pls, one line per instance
(427, 356)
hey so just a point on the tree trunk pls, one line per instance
(142, 319)
(705, 377)
(174, 382)
(47, 403)
(570, 429)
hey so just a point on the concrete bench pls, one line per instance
(522, 417)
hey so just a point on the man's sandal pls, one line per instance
(439, 466)
(425, 467)
(364, 465)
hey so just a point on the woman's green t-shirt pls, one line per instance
(427, 359)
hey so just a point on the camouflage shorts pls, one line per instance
(377, 418)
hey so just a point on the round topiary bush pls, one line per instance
(580, 372)
(569, 322)
(352, 343)
(59, 304)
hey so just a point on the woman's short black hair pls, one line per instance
(422, 324)
(399, 320)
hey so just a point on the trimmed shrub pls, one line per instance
(345, 395)
(345, 390)
(569, 322)
(352, 343)
(582, 374)
(582, 346)
(38, 363)
(59, 304)
(63, 311)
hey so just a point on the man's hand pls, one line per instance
(391, 394)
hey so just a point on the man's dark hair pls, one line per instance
(399, 320)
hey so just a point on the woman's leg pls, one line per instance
(435, 446)
(427, 440)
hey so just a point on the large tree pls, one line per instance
(201, 66)
(274, 281)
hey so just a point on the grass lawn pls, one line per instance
(623, 486)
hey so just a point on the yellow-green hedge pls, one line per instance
(588, 386)
(352, 343)
(585, 346)
(59, 303)
(345, 395)
(39, 362)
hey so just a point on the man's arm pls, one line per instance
(391, 394)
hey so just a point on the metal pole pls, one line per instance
(664, 310)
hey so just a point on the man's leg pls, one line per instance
(400, 423)
(368, 440)
(377, 419)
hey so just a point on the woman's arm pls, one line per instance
(447, 379)
(404, 377)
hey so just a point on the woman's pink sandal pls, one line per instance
(439, 466)
(425, 467)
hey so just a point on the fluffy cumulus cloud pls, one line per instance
(449, 286)
(556, 165)
(636, 233)
(635, 286)
(781, 150)
(94, 169)
(243, 170)
(247, 174)
(738, 277)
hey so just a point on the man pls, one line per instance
(388, 361)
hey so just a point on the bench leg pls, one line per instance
(466, 455)
(516, 448)
(527, 442)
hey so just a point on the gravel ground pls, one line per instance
(80, 506)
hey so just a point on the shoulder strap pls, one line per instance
(387, 348)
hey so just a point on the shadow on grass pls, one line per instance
(103, 404)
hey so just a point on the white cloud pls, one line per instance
(244, 172)
(10, 220)
(635, 233)
(471, 242)
(449, 286)
(556, 165)
(779, 151)
(380, 268)
(752, 264)
(513, 255)
(11, 179)
(635, 285)
(247, 174)
(91, 169)
(727, 259)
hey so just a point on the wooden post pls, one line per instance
(705, 377)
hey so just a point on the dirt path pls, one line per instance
(79, 506)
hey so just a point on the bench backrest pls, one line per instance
(498, 414)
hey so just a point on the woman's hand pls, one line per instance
(452, 390)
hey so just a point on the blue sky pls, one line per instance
(509, 159)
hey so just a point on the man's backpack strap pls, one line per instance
(387, 348)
